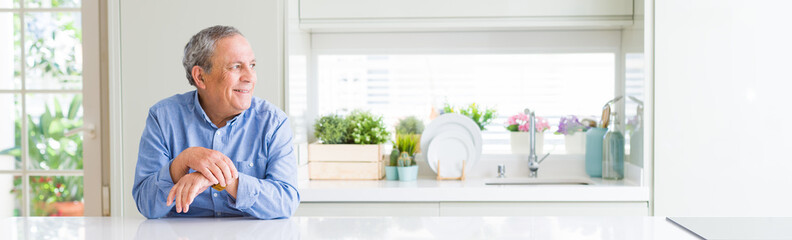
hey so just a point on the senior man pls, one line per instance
(217, 151)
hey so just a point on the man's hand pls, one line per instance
(185, 191)
(213, 165)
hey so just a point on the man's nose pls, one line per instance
(248, 74)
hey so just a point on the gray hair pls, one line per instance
(200, 48)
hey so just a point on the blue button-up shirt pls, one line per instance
(258, 141)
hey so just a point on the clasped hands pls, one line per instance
(211, 167)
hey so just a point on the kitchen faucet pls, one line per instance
(533, 163)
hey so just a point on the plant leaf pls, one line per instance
(58, 111)
(45, 119)
(75, 105)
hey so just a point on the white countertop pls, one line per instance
(473, 189)
(431, 190)
(614, 228)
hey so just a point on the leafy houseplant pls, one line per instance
(332, 129)
(51, 149)
(360, 127)
(482, 116)
(409, 125)
(365, 128)
(519, 125)
(351, 142)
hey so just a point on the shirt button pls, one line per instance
(217, 133)
(250, 164)
(214, 194)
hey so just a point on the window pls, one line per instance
(41, 96)
(396, 86)
(555, 73)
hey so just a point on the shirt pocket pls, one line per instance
(254, 167)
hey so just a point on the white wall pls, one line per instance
(722, 104)
(152, 39)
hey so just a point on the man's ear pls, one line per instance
(198, 77)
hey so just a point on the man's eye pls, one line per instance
(253, 65)
(236, 66)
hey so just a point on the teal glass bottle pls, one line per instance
(594, 138)
(613, 151)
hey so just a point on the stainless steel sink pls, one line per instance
(537, 181)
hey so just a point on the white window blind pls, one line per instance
(402, 74)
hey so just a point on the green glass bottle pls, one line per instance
(613, 151)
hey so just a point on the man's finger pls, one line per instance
(233, 168)
(218, 173)
(209, 175)
(170, 195)
(177, 197)
(185, 195)
(193, 193)
(226, 174)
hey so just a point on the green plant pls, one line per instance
(50, 149)
(410, 124)
(482, 117)
(360, 127)
(332, 129)
(405, 143)
(365, 128)
(394, 157)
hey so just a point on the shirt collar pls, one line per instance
(199, 109)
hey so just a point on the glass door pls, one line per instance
(47, 131)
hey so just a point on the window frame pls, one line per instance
(92, 146)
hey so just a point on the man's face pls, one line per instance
(230, 84)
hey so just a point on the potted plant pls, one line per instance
(349, 147)
(52, 195)
(411, 125)
(574, 134)
(481, 116)
(406, 167)
(519, 126)
(391, 170)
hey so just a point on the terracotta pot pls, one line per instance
(69, 208)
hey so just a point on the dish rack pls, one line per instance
(461, 177)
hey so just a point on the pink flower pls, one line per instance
(520, 122)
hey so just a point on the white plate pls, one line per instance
(451, 149)
(452, 122)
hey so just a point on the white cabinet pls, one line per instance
(382, 9)
(475, 209)
(368, 209)
(729, 62)
(544, 209)
(373, 15)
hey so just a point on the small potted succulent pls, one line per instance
(519, 126)
(404, 155)
(574, 134)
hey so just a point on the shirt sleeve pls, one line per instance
(152, 173)
(276, 195)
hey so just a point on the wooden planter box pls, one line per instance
(345, 161)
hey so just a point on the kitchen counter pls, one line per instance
(343, 228)
(470, 190)
(473, 189)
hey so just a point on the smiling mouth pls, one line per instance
(241, 91)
